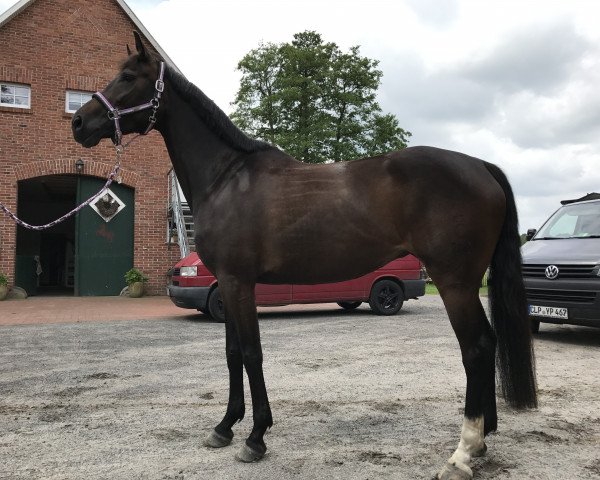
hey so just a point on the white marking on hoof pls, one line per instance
(248, 455)
(216, 440)
(452, 472)
(471, 445)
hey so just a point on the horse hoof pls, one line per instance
(481, 452)
(216, 440)
(452, 472)
(247, 454)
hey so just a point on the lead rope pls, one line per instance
(111, 177)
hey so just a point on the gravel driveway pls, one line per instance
(354, 396)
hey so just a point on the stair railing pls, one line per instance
(177, 211)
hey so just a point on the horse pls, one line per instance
(261, 216)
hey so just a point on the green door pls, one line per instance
(104, 249)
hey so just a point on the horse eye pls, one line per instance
(127, 77)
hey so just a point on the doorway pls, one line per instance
(45, 260)
(86, 254)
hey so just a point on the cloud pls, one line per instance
(414, 93)
(536, 88)
(435, 13)
(538, 58)
(572, 117)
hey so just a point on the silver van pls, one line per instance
(561, 266)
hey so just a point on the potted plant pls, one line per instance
(135, 282)
(3, 286)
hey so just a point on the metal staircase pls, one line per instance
(179, 214)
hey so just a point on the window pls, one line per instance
(75, 100)
(15, 96)
(573, 221)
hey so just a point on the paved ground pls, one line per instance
(36, 310)
(354, 396)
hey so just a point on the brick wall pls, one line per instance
(55, 45)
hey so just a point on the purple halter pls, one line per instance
(115, 113)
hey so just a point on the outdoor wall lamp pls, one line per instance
(79, 166)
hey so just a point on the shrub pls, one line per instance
(134, 275)
(3, 279)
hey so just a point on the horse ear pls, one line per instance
(128, 51)
(139, 45)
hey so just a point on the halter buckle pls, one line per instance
(160, 86)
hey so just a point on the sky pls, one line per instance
(516, 83)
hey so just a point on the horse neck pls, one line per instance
(199, 156)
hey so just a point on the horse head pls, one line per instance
(129, 103)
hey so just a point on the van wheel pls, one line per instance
(535, 326)
(349, 305)
(386, 298)
(215, 306)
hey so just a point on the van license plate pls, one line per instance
(552, 312)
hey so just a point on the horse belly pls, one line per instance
(334, 248)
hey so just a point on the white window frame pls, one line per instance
(68, 93)
(14, 105)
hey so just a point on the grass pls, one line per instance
(431, 289)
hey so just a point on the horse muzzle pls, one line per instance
(89, 130)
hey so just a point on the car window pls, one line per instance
(564, 226)
(573, 221)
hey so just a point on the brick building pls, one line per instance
(54, 54)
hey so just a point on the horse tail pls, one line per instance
(508, 304)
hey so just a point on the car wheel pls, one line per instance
(535, 326)
(386, 298)
(215, 306)
(349, 305)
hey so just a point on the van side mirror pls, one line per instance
(530, 233)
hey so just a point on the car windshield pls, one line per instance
(572, 221)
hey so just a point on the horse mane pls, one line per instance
(212, 115)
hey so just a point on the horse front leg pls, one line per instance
(240, 310)
(222, 435)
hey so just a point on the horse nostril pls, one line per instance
(77, 122)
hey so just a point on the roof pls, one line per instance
(23, 4)
(589, 196)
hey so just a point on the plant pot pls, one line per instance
(3, 291)
(136, 289)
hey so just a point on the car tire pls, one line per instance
(349, 305)
(386, 297)
(215, 306)
(535, 326)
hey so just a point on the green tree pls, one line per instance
(257, 99)
(302, 86)
(315, 101)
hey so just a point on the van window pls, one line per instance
(573, 221)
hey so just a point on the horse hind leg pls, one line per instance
(477, 343)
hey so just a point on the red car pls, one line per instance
(193, 286)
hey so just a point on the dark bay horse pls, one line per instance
(262, 216)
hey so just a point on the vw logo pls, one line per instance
(551, 272)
